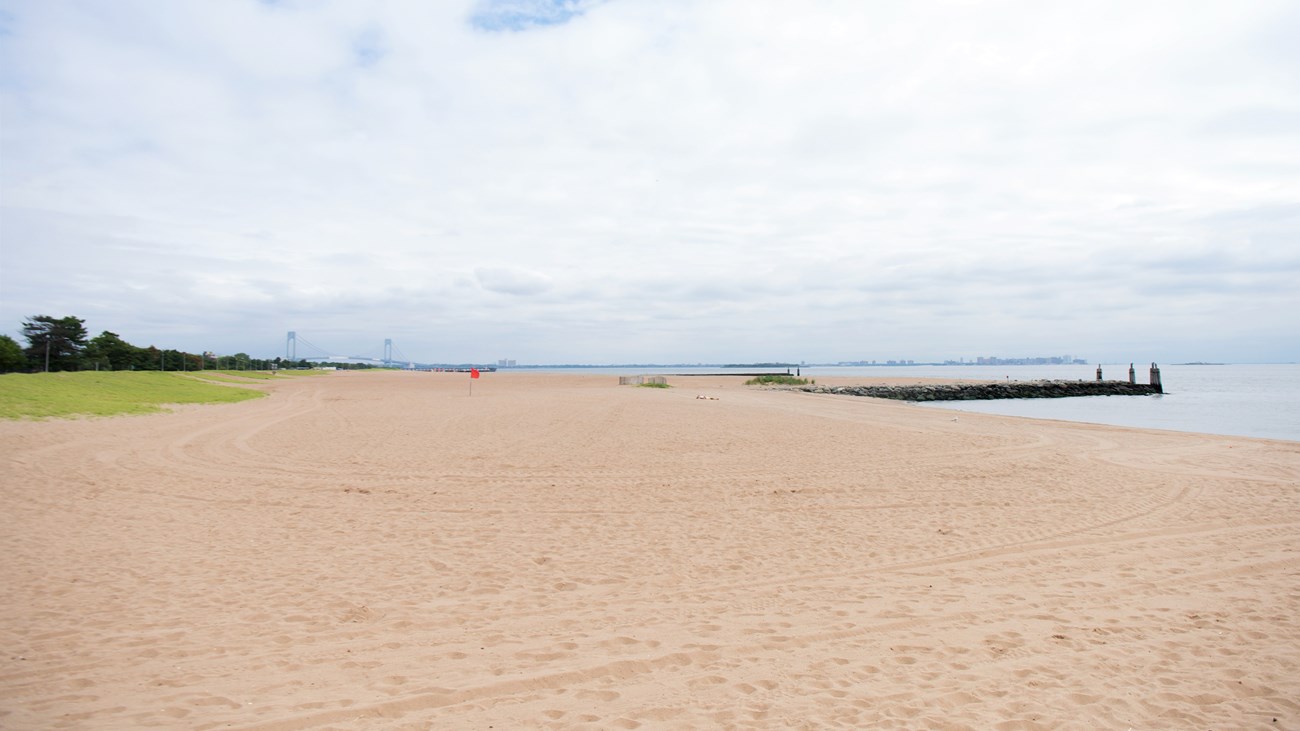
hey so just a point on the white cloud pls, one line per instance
(505, 280)
(675, 181)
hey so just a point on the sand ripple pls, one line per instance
(384, 551)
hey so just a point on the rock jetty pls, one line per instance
(990, 391)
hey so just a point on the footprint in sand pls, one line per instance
(604, 696)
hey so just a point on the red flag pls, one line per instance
(473, 373)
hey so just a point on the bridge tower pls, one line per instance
(388, 351)
(291, 346)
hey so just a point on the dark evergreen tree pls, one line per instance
(12, 357)
(111, 352)
(54, 344)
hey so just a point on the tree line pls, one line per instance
(62, 344)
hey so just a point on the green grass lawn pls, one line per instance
(256, 375)
(245, 376)
(261, 375)
(103, 393)
(218, 376)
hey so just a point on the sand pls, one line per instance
(385, 551)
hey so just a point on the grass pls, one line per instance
(776, 380)
(215, 376)
(653, 385)
(256, 375)
(105, 393)
(241, 376)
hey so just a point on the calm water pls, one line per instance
(1240, 400)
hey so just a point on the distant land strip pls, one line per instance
(734, 373)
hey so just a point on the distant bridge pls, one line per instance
(313, 352)
(389, 357)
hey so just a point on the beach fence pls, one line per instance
(642, 380)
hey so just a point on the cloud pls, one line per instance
(517, 282)
(636, 180)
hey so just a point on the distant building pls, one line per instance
(1049, 360)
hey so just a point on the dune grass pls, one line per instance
(776, 379)
(653, 385)
(102, 393)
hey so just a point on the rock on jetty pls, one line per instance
(989, 391)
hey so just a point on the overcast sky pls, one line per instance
(657, 180)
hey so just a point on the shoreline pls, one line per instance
(385, 549)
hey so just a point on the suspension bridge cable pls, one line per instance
(319, 351)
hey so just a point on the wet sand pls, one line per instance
(382, 550)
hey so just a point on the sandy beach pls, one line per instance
(386, 551)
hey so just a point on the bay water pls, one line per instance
(1240, 400)
(1246, 400)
